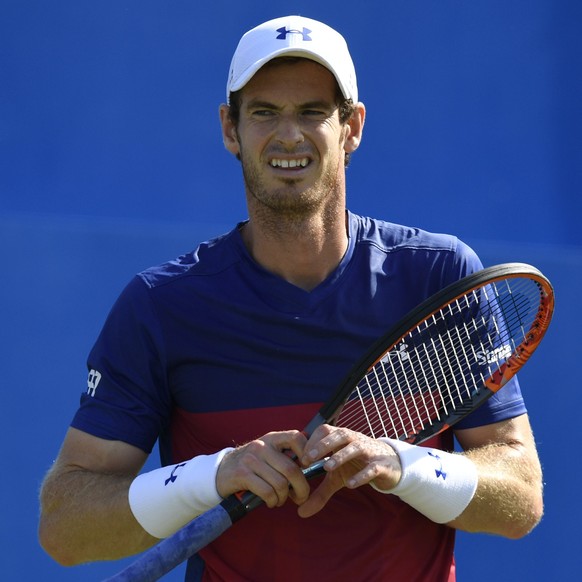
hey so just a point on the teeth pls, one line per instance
(276, 163)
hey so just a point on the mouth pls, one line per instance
(289, 162)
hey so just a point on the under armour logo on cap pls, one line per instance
(283, 32)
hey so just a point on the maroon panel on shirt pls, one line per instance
(208, 432)
(359, 535)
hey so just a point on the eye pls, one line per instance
(263, 113)
(314, 113)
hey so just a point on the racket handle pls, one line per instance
(177, 548)
(196, 535)
(316, 469)
(239, 504)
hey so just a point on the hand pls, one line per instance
(355, 460)
(266, 468)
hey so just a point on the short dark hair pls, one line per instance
(346, 107)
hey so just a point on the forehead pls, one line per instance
(290, 79)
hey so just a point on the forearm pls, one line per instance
(85, 517)
(493, 487)
(508, 500)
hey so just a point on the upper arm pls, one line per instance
(514, 432)
(81, 450)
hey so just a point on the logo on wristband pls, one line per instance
(439, 472)
(173, 476)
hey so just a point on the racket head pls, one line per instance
(447, 356)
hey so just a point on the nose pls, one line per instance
(289, 132)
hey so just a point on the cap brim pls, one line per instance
(250, 72)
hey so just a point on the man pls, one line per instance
(225, 353)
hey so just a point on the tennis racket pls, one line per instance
(436, 365)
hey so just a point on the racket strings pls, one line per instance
(436, 369)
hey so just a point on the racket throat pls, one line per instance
(316, 421)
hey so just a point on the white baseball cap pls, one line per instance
(293, 36)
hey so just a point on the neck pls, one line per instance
(303, 251)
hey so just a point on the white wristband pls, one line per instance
(168, 498)
(438, 484)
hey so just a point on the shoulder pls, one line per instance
(181, 278)
(410, 247)
(392, 237)
(209, 258)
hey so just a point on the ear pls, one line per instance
(229, 135)
(355, 127)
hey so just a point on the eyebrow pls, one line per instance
(260, 104)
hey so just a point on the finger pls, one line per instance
(319, 498)
(361, 463)
(270, 485)
(280, 472)
(324, 441)
(289, 480)
(265, 467)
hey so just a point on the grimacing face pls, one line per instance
(289, 136)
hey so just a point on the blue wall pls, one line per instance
(111, 160)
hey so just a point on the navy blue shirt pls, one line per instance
(211, 350)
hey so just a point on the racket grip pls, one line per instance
(196, 535)
(175, 549)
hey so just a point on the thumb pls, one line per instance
(319, 497)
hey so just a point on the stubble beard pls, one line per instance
(289, 206)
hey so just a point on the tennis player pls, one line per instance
(222, 354)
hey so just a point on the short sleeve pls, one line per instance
(503, 405)
(127, 396)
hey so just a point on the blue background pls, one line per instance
(111, 160)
